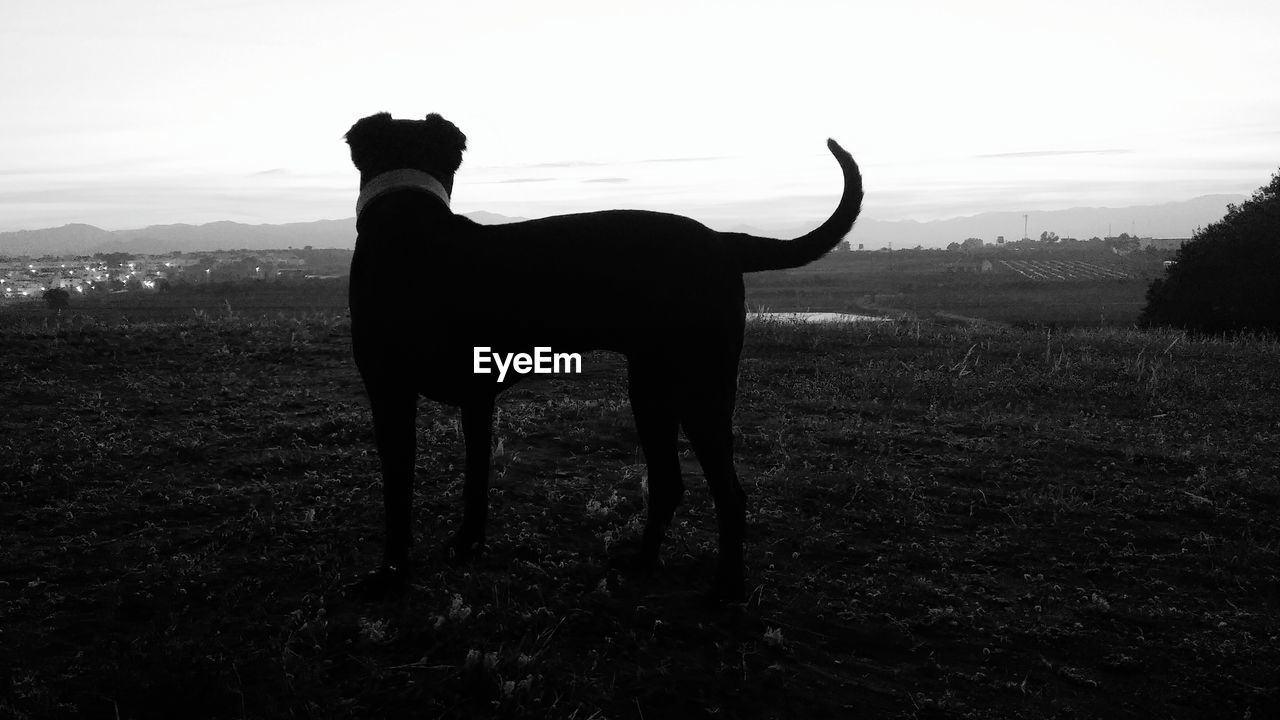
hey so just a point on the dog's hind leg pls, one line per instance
(713, 444)
(658, 427)
(707, 417)
(477, 429)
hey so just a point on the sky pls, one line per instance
(124, 114)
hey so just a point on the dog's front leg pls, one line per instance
(477, 427)
(394, 420)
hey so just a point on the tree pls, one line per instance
(57, 298)
(1048, 237)
(114, 259)
(1227, 277)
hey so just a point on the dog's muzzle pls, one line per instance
(405, 179)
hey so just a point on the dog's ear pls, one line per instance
(447, 131)
(365, 126)
(363, 138)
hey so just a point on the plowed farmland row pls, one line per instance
(1064, 270)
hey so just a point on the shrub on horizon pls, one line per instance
(1226, 279)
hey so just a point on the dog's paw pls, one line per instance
(386, 581)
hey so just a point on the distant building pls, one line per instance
(1125, 244)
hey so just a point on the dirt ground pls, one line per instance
(946, 522)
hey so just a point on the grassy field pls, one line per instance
(952, 287)
(933, 285)
(947, 520)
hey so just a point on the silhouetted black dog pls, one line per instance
(429, 286)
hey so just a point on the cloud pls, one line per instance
(607, 180)
(586, 163)
(1055, 153)
(563, 164)
(684, 159)
(137, 202)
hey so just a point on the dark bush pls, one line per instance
(1226, 279)
(57, 299)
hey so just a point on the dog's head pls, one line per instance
(380, 144)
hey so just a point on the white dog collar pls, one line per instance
(404, 179)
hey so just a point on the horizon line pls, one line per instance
(946, 218)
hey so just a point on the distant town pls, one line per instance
(117, 272)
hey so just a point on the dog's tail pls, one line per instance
(759, 253)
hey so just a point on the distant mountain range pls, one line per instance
(1170, 220)
(79, 239)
